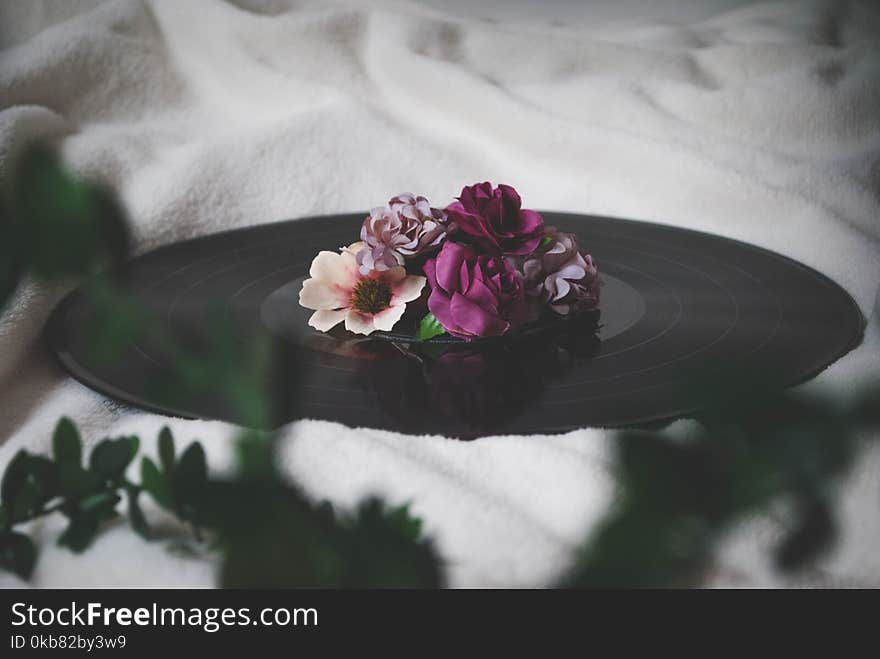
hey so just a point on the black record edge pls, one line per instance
(53, 335)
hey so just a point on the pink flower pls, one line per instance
(494, 220)
(560, 275)
(339, 291)
(404, 228)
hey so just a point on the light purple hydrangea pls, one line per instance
(560, 275)
(406, 227)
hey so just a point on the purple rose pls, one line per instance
(494, 220)
(404, 228)
(473, 295)
(560, 275)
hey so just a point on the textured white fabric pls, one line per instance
(759, 121)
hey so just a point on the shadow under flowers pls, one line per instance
(472, 389)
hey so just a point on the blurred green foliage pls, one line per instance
(55, 226)
(86, 494)
(266, 531)
(753, 449)
(60, 225)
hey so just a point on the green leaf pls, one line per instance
(166, 450)
(17, 554)
(76, 482)
(136, 515)
(430, 327)
(156, 483)
(67, 449)
(111, 456)
(67, 225)
(101, 502)
(867, 408)
(325, 510)
(546, 240)
(190, 480)
(385, 549)
(256, 456)
(812, 535)
(409, 526)
(27, 501)
(115, 322)
(10, 255)
(13, 478)
(66, 443)
(28, 482)
(192, 470)
(79, 533)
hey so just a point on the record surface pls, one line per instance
(675, 302)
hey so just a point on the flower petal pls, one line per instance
(532, 223)
(407, 290)
(438, 304)
(562, 288)
(394, 275)
(474, 320)
(482, 296)
(324, 320)
(448, 265)
(354, 248)
(359, 323)
(430, 270)
(385, 320)
(474, 226)
(318, 294)
(330, 267)
(573, 272)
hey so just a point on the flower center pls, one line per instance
(371, 296)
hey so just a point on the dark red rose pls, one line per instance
(494, 220)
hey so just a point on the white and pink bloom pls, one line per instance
(338, 291)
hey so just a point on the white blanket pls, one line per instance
(759, 121)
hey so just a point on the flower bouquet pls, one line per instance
(482, 267)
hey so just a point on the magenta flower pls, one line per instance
(494, 220)
(560, 275)
(472, 294)
(406, 227)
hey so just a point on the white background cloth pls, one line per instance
(759, 121)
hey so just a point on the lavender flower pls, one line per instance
(404, 228)
(558, 274)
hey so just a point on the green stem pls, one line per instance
(132, 486)
(40, 513)
(58, 505)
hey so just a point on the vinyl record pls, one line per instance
(675, 303)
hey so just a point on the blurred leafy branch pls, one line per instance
(55, 226)
(266, 530)
(676, 499)
(753, 451)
